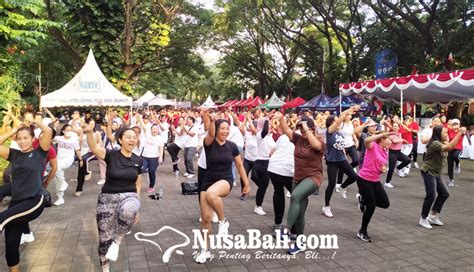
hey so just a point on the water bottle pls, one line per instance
(160, 193)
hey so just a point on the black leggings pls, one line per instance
(453, 157)
(82, 171)
(248, 165)
(354, 154)
(393, 157)
(373, 195)
(260, 177)
(174, 149)
(14, 221)
(333, 169)
(279, 184)
(414, 150)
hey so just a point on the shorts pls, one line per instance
(206, 184)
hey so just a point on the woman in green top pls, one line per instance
(431, 174)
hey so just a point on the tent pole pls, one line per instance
(340, 102)
(401, 105)
(414, 111)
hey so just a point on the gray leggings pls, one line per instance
(299, 201)
(115, 216)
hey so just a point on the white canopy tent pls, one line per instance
(144, 99)
(89, 87)
(160, 100)
(208, 104)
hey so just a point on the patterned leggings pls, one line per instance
(115, 215)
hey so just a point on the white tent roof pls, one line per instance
(160, 100)
(89, 87)
(144, 98)
(209, 104)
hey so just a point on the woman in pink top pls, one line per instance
(371, 192)
(395, 154)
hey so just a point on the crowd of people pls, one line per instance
(286, 150)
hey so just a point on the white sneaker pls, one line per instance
(457, 169)
(424, 223)
(101, 182)
(27, 238)
(338, 188)
(416, 165)
(433, 219)
(223, 228)
(259, 211)
(202, 256)
(342, 192)
(59, 202)
(451, 183)
(186, 174)
(388, 185)
(77, 194)
(288, 194)
(355, 170)
(234, 184)
(406, 170)
(327, 212)
(215, 218)
(401, 173)
(88, 176)
(190, 176)
(113, 252)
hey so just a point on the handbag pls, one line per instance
(46, 198)
(189, 187)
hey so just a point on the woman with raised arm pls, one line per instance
(371, 192)
(395, 154)
(217, 181)
(431, 174)
(336, 158)
(250, 153)
(119, 201)
(308, 175)
(27, 200)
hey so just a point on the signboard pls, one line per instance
(385, 61)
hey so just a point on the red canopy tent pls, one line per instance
(238, 104)
(293, 103)
(255, 102)
(225, 104)
(246, 101)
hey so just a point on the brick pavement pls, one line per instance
(67, 239)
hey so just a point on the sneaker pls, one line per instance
(451, 183)
(101, 182)
(416, 165)
(288, 194)
(406, 171)
(186, 174)
(215, 218)
(327, 212)
(316, 192)
(388, 185)
(355, 170)
(364, 237)
(27, 238)
(360, 203)
(88, 176)
(342, 192)
(424, 223)
(77, 194)
(294, 249)
(176, 162)
(243, 197)
(401, 173)
(113, 252)
(259, 210)
(63, 187)
(150, 190)
(457, 168)
(223, 228)
(338, 188)
(234, 184)
(190, 176)
(433, 219)
(59, 202)
(202, 256)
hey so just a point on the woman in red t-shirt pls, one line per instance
(454, 154)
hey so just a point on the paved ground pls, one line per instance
(67, 239)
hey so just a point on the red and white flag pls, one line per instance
(408, 107)
(378, 106)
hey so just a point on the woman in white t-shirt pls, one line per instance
(250, 154)
(152, 154)
(350, 146)
(191, 130)
(281, 169)
(68, 145)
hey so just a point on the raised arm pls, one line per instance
(313, 141)
(341, 118)
(253, 129)
(212, 129)
(452, 144)
(368, 141)
(285, 128)
(4, 150)
(51, 116)
(98, 150)
(46, 137)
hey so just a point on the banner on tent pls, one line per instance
(385, 61)
(84, 101)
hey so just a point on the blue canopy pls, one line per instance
(321, 102)
(348, 101)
